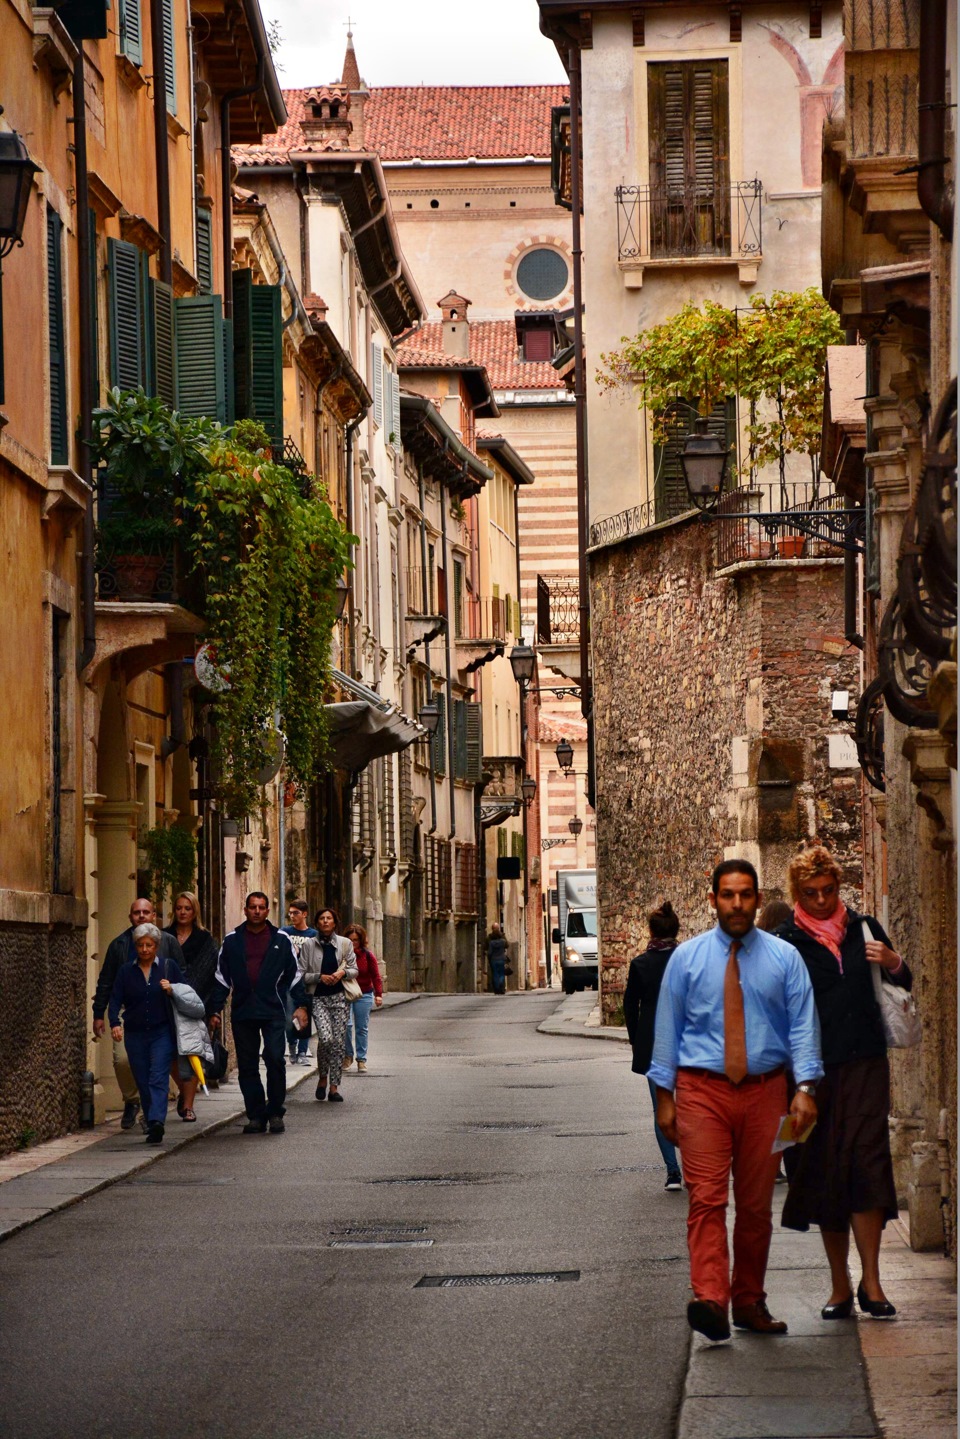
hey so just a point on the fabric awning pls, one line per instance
(361, 731)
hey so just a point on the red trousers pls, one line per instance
(719, 1127)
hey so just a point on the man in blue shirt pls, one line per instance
(735, 1011)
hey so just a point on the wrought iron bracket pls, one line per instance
(842, 525)
(546, 844)
(559, 691)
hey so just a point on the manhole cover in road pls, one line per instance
(380, 1244)
(593, 1134)
(440, 1180)
(477, 1281)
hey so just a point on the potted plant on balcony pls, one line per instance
(790, 547)
(134, 548)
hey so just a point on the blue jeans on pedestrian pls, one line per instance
(151, 1052)
(358, 1020)
(666, 1148)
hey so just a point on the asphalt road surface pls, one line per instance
(271, 1286)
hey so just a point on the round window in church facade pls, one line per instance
(542, 274)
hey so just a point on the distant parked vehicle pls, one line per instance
(576, 934)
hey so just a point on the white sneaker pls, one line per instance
(305, 1060)
(348, 1061)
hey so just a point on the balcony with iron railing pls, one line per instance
(558, 624)
(785, 520)
(679, 225)
(481, 620)
(138, 559)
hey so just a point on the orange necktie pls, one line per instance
(734, 1025)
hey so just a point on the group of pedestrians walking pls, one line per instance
(165, 992)
(769, 1026)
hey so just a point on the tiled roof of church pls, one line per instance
(433, 122)
(493, 344)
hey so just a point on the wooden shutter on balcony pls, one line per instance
(459, 739)
(126, 315)
(204, 241)
(199, 350)
(688, 113)
(671, 497)
(164, 342)
(59, 433)
(473, 724)
(258, 353)
(376, 365)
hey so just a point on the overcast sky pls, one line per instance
(433, 42)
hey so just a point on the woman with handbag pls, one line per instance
(371, 993)
(329, 970)
(147, 1030)
(843, 1178)
(200, 956)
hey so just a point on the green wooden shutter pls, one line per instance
(671, 497)
(266, 333)
(439, 741)
(164, 342)
(204, 241)
(460, 739)
(473, 724)
(242, 344)
(148, 358)
(59, 434)
(94, 280)
(229, 385)
(199, 352)
(131, 43)
(126, 315)
(169, 56)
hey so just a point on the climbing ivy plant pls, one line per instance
(267, 557)
(772, 354)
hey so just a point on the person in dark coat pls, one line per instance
(497, 959)
(258, 966)
(640, 1012)
(843, 1176)
(140, 990)
(199, 968)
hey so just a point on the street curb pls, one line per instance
(142, 1161)
(570, 1018)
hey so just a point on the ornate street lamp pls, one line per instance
(429, 717)
(522, 662)
(564, 754)
(343, 594)
(528, 789)
(575, 825)
(703, 460)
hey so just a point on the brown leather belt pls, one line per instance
(749, 1079)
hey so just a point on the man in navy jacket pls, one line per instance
(257, 964)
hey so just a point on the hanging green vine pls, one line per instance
(268, 558)
(773, 355)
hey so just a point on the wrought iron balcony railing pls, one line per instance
(668, 222)
(137, 556)
(558, 610)
(772, 520)
(480, 620)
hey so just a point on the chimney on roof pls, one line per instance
(327, 121)
(356, 88)
(456, 327)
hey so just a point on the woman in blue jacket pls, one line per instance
(141, 991)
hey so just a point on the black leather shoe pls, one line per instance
(276, 1125)
(709, 1319)
(843, 1310)
(129, 1114)
(876, 1308)
(322, 1088)
(255, 1126)
(154, 1134)
(334, 1097)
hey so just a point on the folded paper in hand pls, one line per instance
(785, 1136)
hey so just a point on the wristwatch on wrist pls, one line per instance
(808, 1089)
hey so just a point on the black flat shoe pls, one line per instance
(321, 1092)
(876, 1308)
(334, 1097)
(843, 1310)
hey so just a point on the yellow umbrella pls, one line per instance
(197, 1068)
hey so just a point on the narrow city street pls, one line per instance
(300, 1285)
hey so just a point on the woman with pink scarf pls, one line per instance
(843, 1176)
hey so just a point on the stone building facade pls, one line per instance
(721, 742)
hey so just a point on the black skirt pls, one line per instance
(844, 1167)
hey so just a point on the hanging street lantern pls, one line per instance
(528, 789)
(522, 662)
(575, 825)
(703, 460)
(564, 753)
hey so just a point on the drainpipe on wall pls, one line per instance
(88, 361)
(932, 193)
(161, 142)
(226, 195)
(451, 747)
(350, 431)
(425, 600)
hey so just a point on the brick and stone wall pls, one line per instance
(713, 728)
(43, 1028)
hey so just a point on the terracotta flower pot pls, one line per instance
(790, 547)
(136, 575)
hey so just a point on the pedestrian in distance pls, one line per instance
(640, 1011)
(843, 1177)
(298, 1040)
(735, 1009)
(371, 993)
(120, 951)
(325, 962)
(258, 967)
(497, 959)
(199, 967)
(141, 994)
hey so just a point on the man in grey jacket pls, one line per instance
(119, 951)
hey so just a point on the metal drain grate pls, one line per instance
(371, 1231)
(439, 1180)
(505, 1126)
(630, 1169)
(199, 1183)
(593, 1134)
(478, 1281)
(380, 1244)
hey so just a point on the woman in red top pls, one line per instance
(371, 986)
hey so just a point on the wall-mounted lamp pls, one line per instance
(575, 825)
(564, 753)
(343, 594)
(703, 460)
(429, 717)
(528, 789)
(522, 662)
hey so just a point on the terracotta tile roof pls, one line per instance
(493, 344)
(433, 122)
